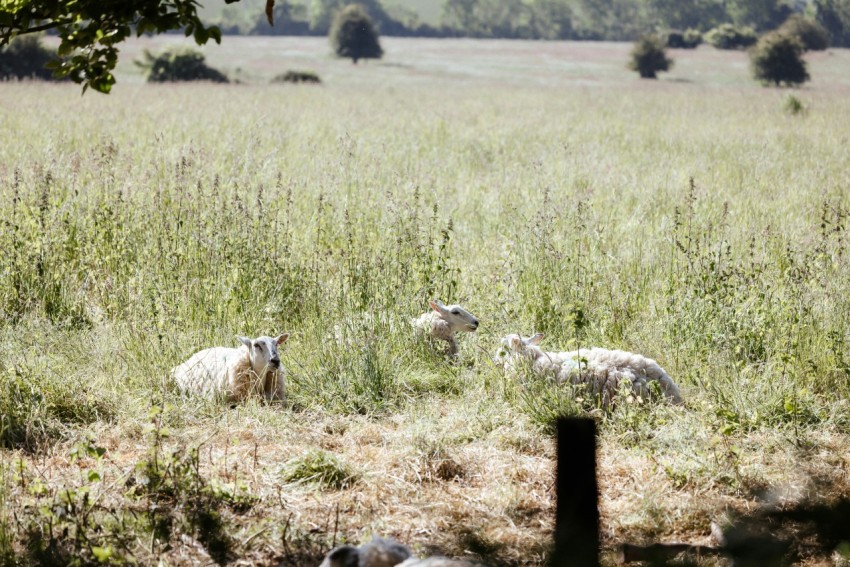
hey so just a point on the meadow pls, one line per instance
(694, 219)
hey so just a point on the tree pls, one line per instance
(834, 15)
(649, 56)
(90, 30)
(354, 35)
(25, 58)
(759, 14)
(778, 58)
(727, 36)
(683, 14)
(812, 35)
(179, 65)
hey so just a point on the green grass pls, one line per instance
(321, 468)
(695, 221)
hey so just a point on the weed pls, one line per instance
(794, 106)
(321, 468)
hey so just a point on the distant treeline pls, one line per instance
(612, 20)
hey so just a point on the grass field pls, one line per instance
(692, 219)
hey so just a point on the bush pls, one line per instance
(777, 59)
(812, 35)
(727, 36)
(297, 77)
(688, 39)
(794, 106)
(179, 65)
(353, 34)
(649, 57)
(692, 38)
(25, 58)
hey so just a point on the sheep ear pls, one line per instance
(534, 340)
(245, 341)
(437, 306)
(283, 338)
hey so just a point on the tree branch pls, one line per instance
(42, 27)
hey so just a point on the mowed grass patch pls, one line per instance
(706, 230)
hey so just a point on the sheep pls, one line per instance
(234, 373)
(379, 552)
(601, 369)
(444, 322)
(382, 552)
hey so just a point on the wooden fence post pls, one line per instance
(577, 516)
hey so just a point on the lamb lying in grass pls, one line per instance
(602, 370)
(234, 373)
(444, 322)
(383, 553)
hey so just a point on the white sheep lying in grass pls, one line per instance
(234, 373)
(383, 553)
(444, 322)
(602, 370)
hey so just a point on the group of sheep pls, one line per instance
(254, 367)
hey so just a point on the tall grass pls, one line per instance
(351, 222)
(709, 232)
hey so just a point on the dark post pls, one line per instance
(577, 516)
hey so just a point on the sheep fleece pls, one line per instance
(225, 372)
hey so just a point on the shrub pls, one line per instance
(38, 406)
(297, 77)
(649, 57)
(692, 38)
(812, 35)
(688, 39)
(794, 106)
(179, 65)
(25, 58)
(353, 34)
(777, 59)
(727, 36)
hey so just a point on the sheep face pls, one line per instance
(458, 318)
(262, 352)
(514, 344)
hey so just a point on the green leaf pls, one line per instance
(65, 49)
(102, 554)
(201, 35)
(94, 476)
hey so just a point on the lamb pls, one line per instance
(234, 373)
(444, 322)
(382, 552)
(602, 370)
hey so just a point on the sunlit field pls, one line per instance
(693, 219)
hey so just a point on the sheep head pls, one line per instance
(458, 318)
(379, 552)
(342, 556)
(262, 352)
(515, 344)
